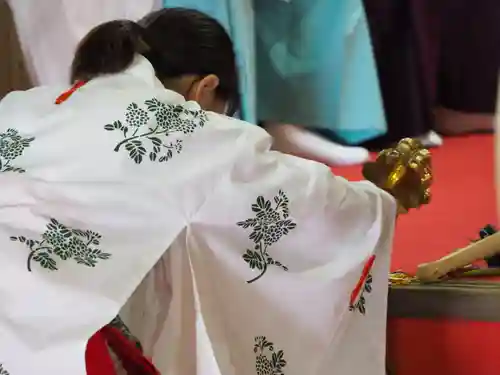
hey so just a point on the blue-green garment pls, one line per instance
(312, 63)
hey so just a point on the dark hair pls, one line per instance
(177, 41)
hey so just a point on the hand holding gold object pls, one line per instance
(405, 172)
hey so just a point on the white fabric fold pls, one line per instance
(49, 30)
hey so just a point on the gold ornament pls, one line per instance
(401, 278)
(405, 172)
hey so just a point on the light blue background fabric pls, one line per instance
(313, 58)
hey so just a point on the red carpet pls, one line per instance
(463, 202)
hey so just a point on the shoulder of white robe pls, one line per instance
(16, 334)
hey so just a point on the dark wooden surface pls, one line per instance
(469, 300)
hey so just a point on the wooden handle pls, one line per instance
(478, 250)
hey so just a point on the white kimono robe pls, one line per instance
(222, 256)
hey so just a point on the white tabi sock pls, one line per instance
(298, 141)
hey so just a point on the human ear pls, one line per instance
(204, 91)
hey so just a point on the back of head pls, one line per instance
(108, 48)
(176, 41)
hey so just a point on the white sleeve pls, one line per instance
(281, 249)
(326, 207)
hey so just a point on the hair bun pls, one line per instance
(107, 49)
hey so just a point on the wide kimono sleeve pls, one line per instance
(290, 265)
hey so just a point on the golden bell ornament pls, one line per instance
(405, 172)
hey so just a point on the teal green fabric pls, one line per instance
(307, 62)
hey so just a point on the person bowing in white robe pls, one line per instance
(134, 194)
